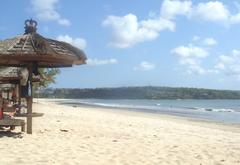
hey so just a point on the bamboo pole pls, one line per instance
(29, 100)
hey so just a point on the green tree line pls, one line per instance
(148, 92)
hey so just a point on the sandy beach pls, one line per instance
(89, 135)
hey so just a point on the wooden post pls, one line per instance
(8, 94)
(19, 96)
(29, 101)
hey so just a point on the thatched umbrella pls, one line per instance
(8, 76)
(12, 77)
(31, 50)
(6, 88)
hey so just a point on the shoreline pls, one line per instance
(152, 114)
(146, 111)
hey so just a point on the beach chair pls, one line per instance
(9, 109)
(34, 114)
(13, 123)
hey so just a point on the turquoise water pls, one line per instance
(226, 111)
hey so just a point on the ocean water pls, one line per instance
(226, 111)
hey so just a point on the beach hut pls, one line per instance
(9, 76)
(33, 51)
(9, 83)
(12, 77)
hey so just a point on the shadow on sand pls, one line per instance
(10, 134)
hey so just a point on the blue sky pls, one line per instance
(138, 43)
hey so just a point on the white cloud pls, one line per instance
(145, 66)
(196, 69)
(171, 8)
(46, 10)
(95, 61)
(210, 41)
(229, 64)
(214, 11)
(234, 19)
(191, 56)
(78, 42)
(190, 52)
(128, 31)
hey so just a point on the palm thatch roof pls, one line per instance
(4, 87)
(31, 47)
(9, 72)
(9, 75)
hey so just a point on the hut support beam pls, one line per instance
(29, 100)
(8, 95)
(19, 96)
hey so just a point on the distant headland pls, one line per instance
(146, 92)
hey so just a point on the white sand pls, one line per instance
(105, 136)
